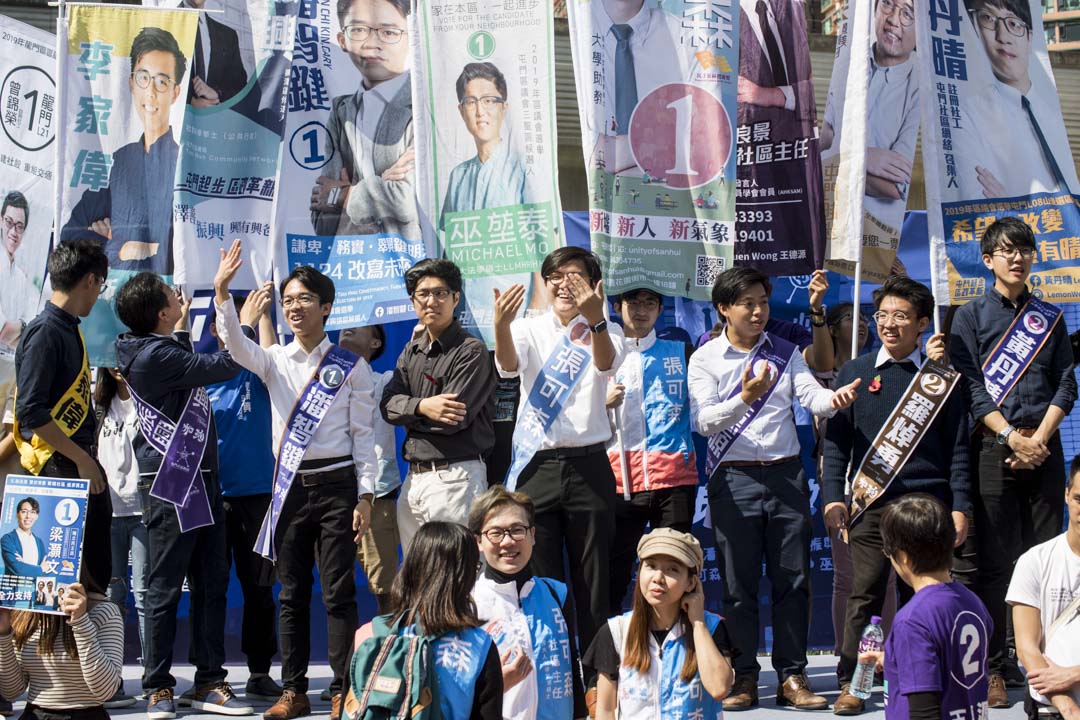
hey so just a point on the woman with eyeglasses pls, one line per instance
(524, 614)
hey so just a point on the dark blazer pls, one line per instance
(226, 73)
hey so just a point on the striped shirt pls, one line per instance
(60, 681)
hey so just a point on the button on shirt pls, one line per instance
(583, 420)
(716, 369)
(346, 428)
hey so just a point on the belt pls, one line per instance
(757, 463)
(571, 452)
(1026, 432)
(426, 466)
(326, 477)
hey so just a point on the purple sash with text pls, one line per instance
(777, 353)
(310, 409)
(182, 445)
(1018, 347)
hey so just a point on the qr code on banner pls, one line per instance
(708, 267)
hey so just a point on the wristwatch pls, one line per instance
(1003, 436)
(817, 317)
(599, 327)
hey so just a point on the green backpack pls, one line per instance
(392, 675)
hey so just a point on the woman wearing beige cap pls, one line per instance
(666, 642)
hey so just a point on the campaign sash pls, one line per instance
(561, 372)
(777, 353)
(902, 432)
(70, 411)
(1016, 350)
(306, 416)
(182, 445)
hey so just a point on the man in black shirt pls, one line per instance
(1021, 464)
(443, 392)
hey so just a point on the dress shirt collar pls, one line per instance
(1006, 302)
(893, 73)
(883, 357)
(639, 23)
(450, 337)
(296, 351)
(1010, 94)
(386, 90)
(725, 344)
(557, 323)
(61, 314)
(641, 344)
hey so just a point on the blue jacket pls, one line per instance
(10, 548)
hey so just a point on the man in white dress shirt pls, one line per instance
(759, 497)
(328, 507)
(18, 296)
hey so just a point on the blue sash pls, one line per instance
(775, 351)
(561, 373)
(182, 445)
(1018, 347)
(304, 420)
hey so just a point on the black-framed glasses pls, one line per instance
(646, 304)
(302, 300)
(439, 294)
(10, 224)
(517, 533)
(1010, 252)
(102, 287)
(558, 278)
(162, 82)
(1013, 25)
(359, 33)
(906, 14)
(488, 102)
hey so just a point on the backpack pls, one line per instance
(392, 674)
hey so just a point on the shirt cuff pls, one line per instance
(789, 97)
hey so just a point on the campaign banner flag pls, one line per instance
(41, 537)
(487, 153)
(656, 91)
(994, 145)
(348, 158)
(125, 77)
(27, 157)
(226, 182)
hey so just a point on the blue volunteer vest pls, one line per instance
(459, 658)
(667, 409)
(551, 644)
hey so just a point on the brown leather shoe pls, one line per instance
(848, 704)
(795, 692)
(335, 707)
(290, 705)
(998, 696)
(743, 694)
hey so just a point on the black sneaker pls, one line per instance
(262, 688)
(6, 708)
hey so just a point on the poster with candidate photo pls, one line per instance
(41, 537)
(994, 144)
(126, 73)
(487, 178)
(656, 88)
(348, 158)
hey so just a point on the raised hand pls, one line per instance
(589, 301)
(754, 387)
(507, 304)
(231, 260)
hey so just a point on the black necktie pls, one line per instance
(773, 48)
(626, 98)
(1059, 178)
(200, 67)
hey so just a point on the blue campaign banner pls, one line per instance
(41, 536)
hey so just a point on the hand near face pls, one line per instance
(589, 301)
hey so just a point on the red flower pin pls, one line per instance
(875, 384)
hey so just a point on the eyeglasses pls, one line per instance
(647, 304)
(899, 317)
(1014, 25)
(906, 14)
(438, 294)
(557, 278)
(1010, 252)
(162, 82)
(488, 102)
(517, 533)
(302, 300)
(10, 224)
(359, 33)
(102, 287)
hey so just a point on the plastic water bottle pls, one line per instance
(873, 640)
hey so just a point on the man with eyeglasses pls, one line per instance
(132, 217)
(651, 450)
(1017, 364)
(742, 385)
(443, 394)
(938, 464)
(1012, 141)
(367, 185)
(18, 296)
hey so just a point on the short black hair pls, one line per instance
(921, 526)
(1007, 231)
(16, 200)
(314, 281)
(140, 300)
(631, 294)
(440, 268)
(560, 256)
(151, 39)
(32, 502)
(1074, 471)
(480, 71)
(905, 288)
(732, 283)
(343, 6)
(73, 260)
(1016, 7)
(380, 334)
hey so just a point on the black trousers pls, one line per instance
(575, 510)
(1014, 511)
(199, 556)
(258, 639)
(869, 581)
(764, 511)
(665, 508)
(315, 527)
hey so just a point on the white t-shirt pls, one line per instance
(1047, 577)
(116, 454)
